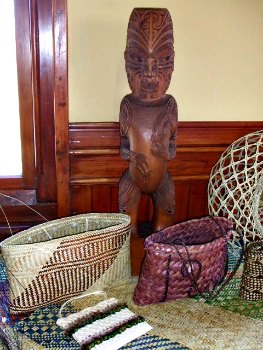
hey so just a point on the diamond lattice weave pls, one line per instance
(258, 206)
(189, 324)
(233, 182)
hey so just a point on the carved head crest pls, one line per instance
(149, 54)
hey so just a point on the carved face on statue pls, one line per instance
(149, 54)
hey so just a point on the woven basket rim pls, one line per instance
(161, 246)
(167, 246)
(13, 240)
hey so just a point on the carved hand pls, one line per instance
(141, 164)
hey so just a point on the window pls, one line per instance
(41, 58)
(10, 142)
(22, 80)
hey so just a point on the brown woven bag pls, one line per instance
(251, 287)
(183, 260)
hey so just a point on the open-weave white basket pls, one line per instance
(258, 207)
(234, 185)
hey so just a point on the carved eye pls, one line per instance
(164, 59)
(136, 58)
(167, 58)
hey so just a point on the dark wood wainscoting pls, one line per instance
(96, 168)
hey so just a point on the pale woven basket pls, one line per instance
(233, 189)
(54, 261)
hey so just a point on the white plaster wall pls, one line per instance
(218, 64)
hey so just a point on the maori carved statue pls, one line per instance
(148, 117)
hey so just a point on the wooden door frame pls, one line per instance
(61, 113)
(44, 183)
(50, 40)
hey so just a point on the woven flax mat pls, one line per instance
(227, 322)
(183, 324)
(197, 325)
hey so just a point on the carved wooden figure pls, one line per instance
(148, 117)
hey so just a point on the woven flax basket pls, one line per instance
(251, 287)
(54, 261)
(183, 260)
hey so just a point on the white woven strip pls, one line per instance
(100, 327)
(66, 322)
(125, 337)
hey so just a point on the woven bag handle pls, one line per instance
(97, 292)
(20, 201)
(191, 274)
(194, 277)
(212, 294)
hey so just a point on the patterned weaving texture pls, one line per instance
(41, 327)
(233, 181)
(56, 260)
(180, 325)
(40, 330)
(228, 299)
(258, 207)
(108, 324)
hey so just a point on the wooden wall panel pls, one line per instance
(137, 255)
(197, 200)
(96, 166)
(182, 194)
(99, 168)
(101, 199)
(80, 199)
(95, 162)
(114, 198)
(20, 217)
